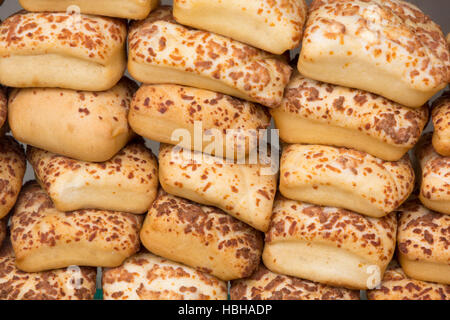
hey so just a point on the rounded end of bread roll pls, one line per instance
(441, 118)
(3, 107)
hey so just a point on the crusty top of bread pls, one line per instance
(435, 170)
(423, 234)
(60, 284)
(3, 106)
(267, 285)
(394, 32)
(396, 285)
(160, 40)
(91, 38)
(372, 238)
(441, 116)
(355, 109)
(145, 276)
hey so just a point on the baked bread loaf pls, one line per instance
(44, 238)
(158, 112)
(127, 9)
(201, 237)
(441, 121)
(396, 285)
(244, 191)
(128, 182)
(71, 51)
(88, 126)
(163, 51)
(267, 285)
(345, 178)
(329, 245)
(3, 107)
(274, 26)
(145, 276)
(75, 283)
(12, 170)
(388, 47)
(423, 243)
(314, 112)
(435, 179)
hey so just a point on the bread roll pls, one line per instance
(423, 243)
(87, 126)
(329, 245)
(259, 23)
(79, 52)
(201, 237)
(435, 179)
(145, 276)
(244, 191)
(396, 285)
(163, 51)
(44, 238)
(75, 283)
(345, 178)
(3, 229)
(441, 121)
(12, 170)
(386, 47)
(158, 112)
(267, 285)
(128, 182)
(314, 112)
(3, 107)
(128, 9)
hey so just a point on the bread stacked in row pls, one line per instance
(212, 74)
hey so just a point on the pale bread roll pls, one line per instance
(314, 112)
(274, 26)
(329, 245)
(388, 47)
(88, 126)
(205, 238)
(441, 121)
(13, 165)
(75, 283)
(44, 238)
(128, 182)
(245, 191)
(435, 178)
(267, 285)
(127, 9)
(79, 52)
(345, 178)
(423, 243)
(396, 285)
(192, 118)
(163, 51)
(145, 276)
(3, 107)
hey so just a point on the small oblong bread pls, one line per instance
(205, 238)
(441, 121)
(259, 23)
(83, 125)
(267, 285)
(163, 51)
(435, 178)
(13, 165)
(329, 245)
(145, 276)
(314, 112)
(74, 283)
(128, 182)
(44, 238)
(72, 51)
(197, 119)
(423, 243)
(242, 190)
(345, 178)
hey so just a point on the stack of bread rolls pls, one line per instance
(213, 215)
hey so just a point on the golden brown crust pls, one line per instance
(267, 285)
(145, 276)
(3, 106)
(202, 237)
(441, 121)
(3, 229)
